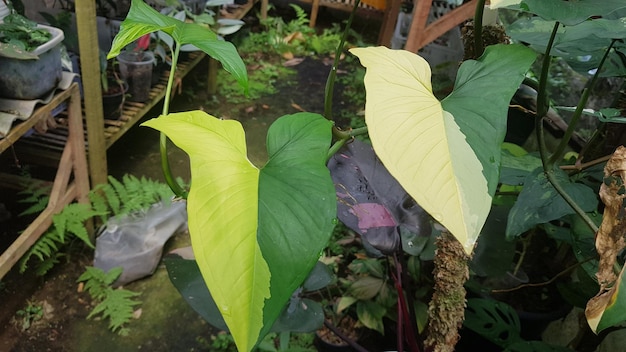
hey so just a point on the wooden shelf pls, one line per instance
(101, 134)
(65, 189)
(46, 148)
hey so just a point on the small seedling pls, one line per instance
(30, 314)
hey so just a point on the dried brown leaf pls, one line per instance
(293, 62)
(297, 107)
(610, 236)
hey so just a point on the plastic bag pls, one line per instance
(135, 242)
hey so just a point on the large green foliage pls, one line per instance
(256, 233)
(446, 155)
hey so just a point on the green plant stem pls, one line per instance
(330, 82)
(542, 101)
(522, 255)
(547, 161)
(165, 163)
(582, 102)
(545, 283)
(582, 166)
(478, 28)
(343, 137)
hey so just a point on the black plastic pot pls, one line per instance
(113, 103)
(325, 346)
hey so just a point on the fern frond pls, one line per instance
(35, 188)
(37, 207)
(47, 264)
(112, 275)
(72, 220)
(42, 249)
(37, 194)
(97, 281)
(99, 204)
(111, 197)
(301, 19)
(117, 306)
(130, 195)
(120, 190)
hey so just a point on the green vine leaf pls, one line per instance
(256, 233)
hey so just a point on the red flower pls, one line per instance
(143, 42)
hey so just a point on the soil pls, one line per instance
(63, 325)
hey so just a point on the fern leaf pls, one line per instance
(99, 204)
(47, 264)
(97, 281)
(301, 19)
(72, 220)
(59, 221)
(111, 198)
(37, 207)
(43, 248)
(119, 190)
(112, 275)
(37, 194)
(117, 306)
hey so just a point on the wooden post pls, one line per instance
(212, 76)
(92, 88)
(264, 6)
(420, 35)
(315, 8)
(389, 22)
(418, 24)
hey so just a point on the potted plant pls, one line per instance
(114, 90)
(136, 65)
(30, 58)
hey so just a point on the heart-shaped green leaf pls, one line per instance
(480, 101)
(447, 158)
(256, 234)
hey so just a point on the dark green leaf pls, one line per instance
(320, 277)
(297, 203)
(371, 315)
(490, 81)
(535, 346)
(366, 287)
(495, 321)
(539, 202)
(186, 277)
(515, 169)
(493, 254)
(572, 12)
(300, 315)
